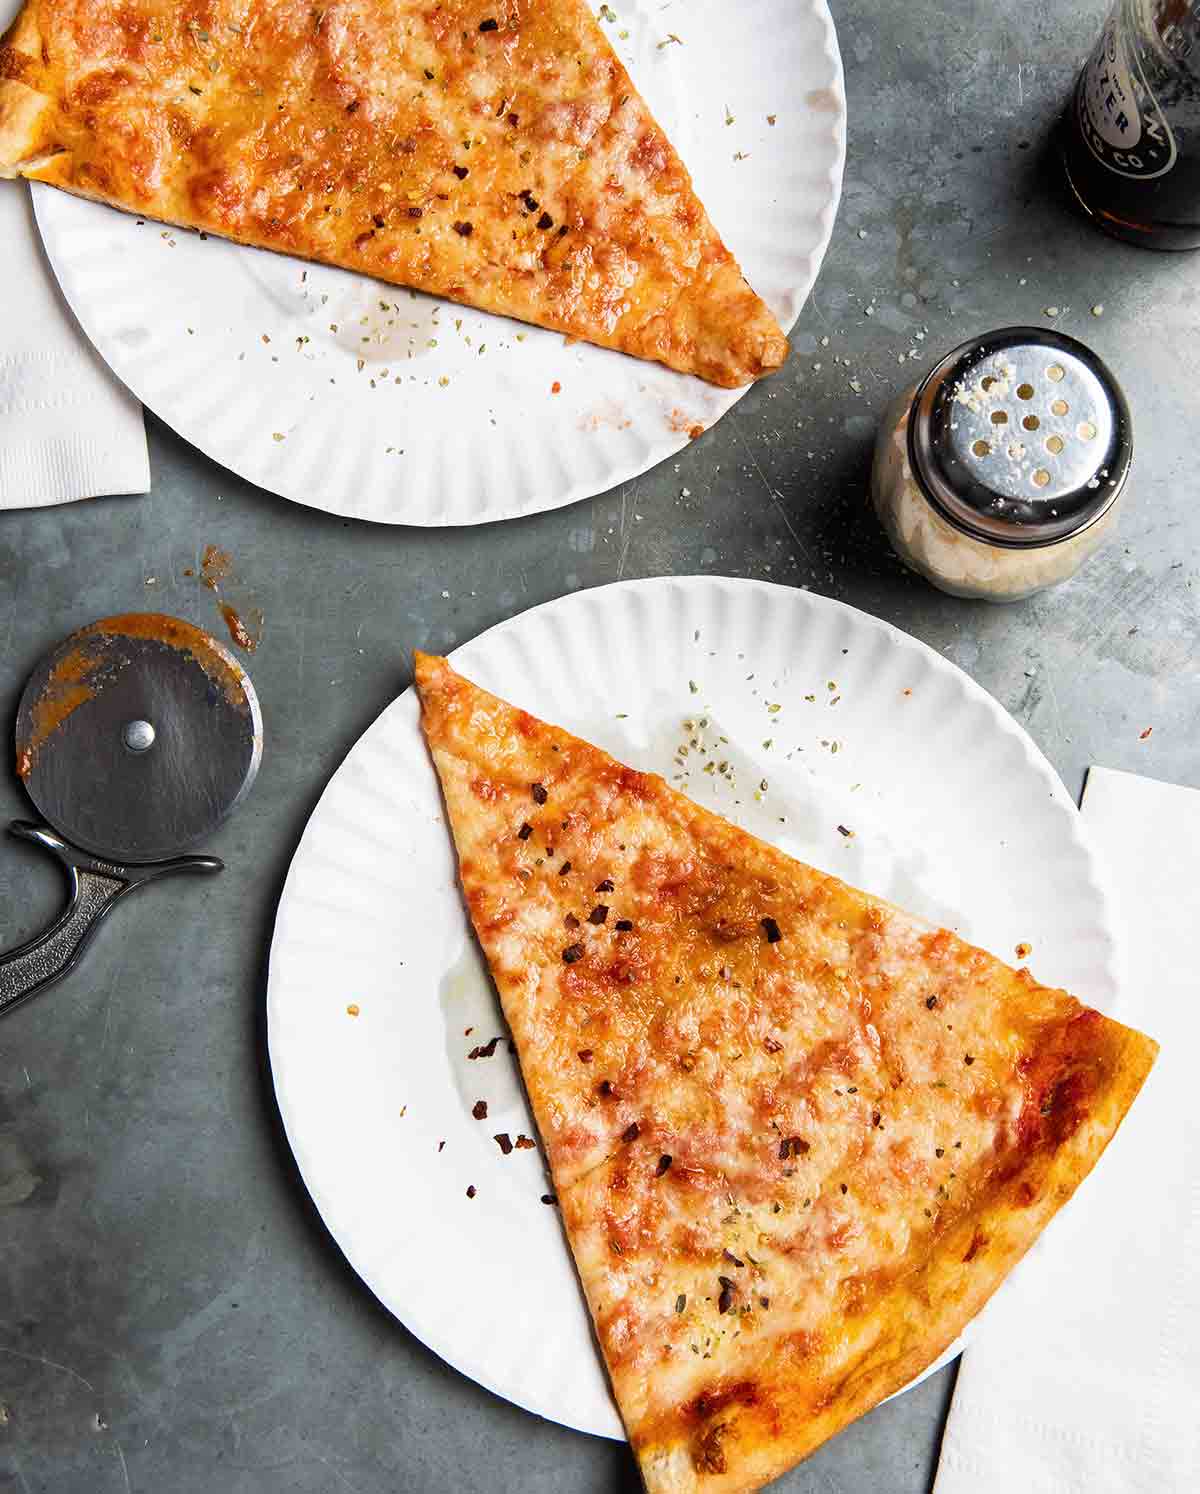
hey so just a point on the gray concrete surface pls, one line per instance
(173, 1319)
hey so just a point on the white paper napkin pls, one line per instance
(68, 428)
(1086, 1380)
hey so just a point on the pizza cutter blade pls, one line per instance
(136, 737)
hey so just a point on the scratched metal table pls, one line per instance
(172, 1315)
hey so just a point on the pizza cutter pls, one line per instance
(136, 737)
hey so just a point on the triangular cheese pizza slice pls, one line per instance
(491, 151)
(798, 1136)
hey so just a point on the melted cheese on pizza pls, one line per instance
(798, 1136)
(491, 151)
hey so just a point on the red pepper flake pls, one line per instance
(556, 387)
(525, 831)
(460, 172)
(503, 1141)
(624, 925)
(844, 1188)
(664, 1163)
(571, 921)
(489, 25)
(1024, 951)
(939, 1151)
(486, 1050)
(771, 1045)
(598, 914)
(725, 1300)
(772, 930)
(930, 1003)
(471, 1191)
(572, 953)
(606, 1089)
(1143, 735)
(530, 201)
(525, 1143)
(793, 1146)
(876, 1118)
(564, 869)
(968, 1058)
(549, 1198)
(631, 1132)
(545, 221)
(729, 1256)
(464, 230)
(479, 1110)
(586, 1055)
(605, 886)
(414, 212)
(764, 1302)
(538, 790)
(467, 1031)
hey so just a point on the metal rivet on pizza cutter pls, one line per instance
(136, 737)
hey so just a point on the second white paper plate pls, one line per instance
(377, 997)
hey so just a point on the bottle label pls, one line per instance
(1118, 115)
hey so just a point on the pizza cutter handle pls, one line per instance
(94, 887)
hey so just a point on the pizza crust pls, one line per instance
(24, 111)
(21, 113)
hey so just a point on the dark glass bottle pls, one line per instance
(1130, 137)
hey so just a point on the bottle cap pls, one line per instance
(1021, 437)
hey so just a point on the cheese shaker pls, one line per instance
(1002, 471)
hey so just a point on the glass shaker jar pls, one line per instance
(1001, 472)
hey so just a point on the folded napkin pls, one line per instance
(68, 428)
(1086, 1378)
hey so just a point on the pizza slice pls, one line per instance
(798, 1136)
(491, 151)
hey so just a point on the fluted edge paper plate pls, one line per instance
(823, 717)
(350, 395)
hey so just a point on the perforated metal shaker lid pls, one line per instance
(1021, 437)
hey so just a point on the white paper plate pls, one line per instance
(451, 418)
(956, 816)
